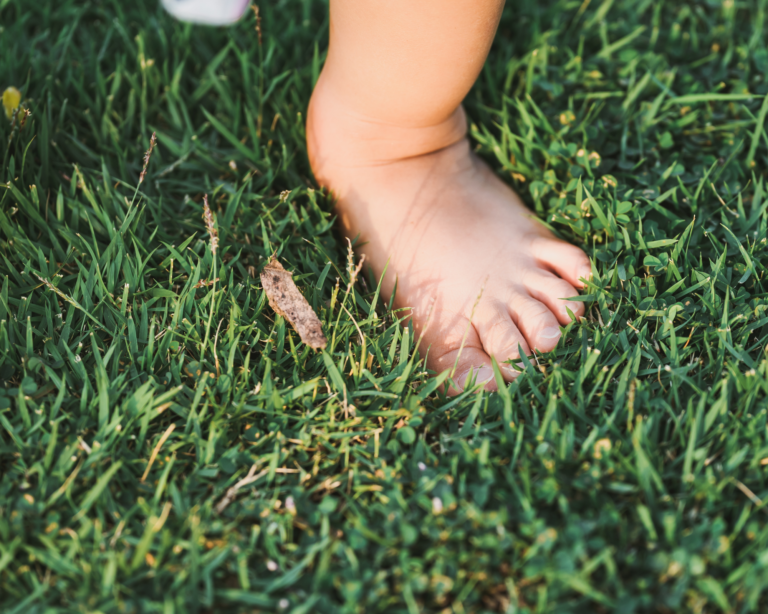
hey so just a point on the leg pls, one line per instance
(386, 132)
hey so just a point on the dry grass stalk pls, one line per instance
(214, 243)
(147, 156)
(353, 270)
(63, 488)
(215, 343)
(750, 495)
(256, 14)
(466, 330)
(212, 233)
(24, 115)
(19, 118)
(232, 491)
(204, 283)
(159, 445)
(430, 311)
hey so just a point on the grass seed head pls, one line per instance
(147, 156)
(208, 217)
(256, 14)
(352, 269)
(23, 116)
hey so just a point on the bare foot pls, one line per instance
(451, 230)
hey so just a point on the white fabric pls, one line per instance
(208, 12)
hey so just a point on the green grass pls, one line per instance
(622, 472)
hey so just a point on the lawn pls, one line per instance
(167, 443)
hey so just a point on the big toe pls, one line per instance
(472, 367)
(500, 337)
(451, 344)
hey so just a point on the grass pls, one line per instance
(625, 471)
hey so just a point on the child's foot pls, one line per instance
(450, 230)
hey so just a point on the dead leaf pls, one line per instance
(285, 298)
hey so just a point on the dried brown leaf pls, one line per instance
(285, 298)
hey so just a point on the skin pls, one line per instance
(387, 134)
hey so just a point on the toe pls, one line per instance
(472, 366)
(500, 337)
(535, 320)
(468, 364)
(567, 260)
(551, 290)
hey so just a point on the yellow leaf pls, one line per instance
(11, 100)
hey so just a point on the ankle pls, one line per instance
(339, 136)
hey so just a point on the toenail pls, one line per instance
(479, 376)
(585, 272)
(551, 332)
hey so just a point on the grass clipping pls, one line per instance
(285, 298)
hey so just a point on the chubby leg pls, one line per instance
(387, 133)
